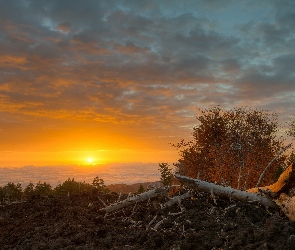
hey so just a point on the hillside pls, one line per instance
(199, 223)
(131, 188)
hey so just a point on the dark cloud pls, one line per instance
(142, 62)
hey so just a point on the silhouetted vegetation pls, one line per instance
(14, 192)
(166, 174)
(140, 189)
(11, 192)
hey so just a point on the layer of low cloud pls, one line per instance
(143, 63)
(115, 173)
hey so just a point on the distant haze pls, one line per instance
(114, 173)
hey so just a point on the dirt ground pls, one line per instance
(199, 222)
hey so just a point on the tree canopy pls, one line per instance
(233, 147)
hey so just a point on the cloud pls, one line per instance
(111, 173)
(142, 63)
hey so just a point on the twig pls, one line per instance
(282, 150)
(158, 224)
(133, 209)
(119, 197)
(213, 197)
(102, 201)
(151, 222)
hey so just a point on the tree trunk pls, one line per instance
(134, 199)
(225, 191)
(279, 194)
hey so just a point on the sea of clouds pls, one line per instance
(114, 173)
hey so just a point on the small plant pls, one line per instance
(140, 189)
(166, 174)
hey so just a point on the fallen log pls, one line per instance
(282, 191)
(229, 192)
(134, 199)
(280, 194)
(177, 199)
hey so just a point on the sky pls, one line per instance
(118, 81)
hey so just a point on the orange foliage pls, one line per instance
(232, 148)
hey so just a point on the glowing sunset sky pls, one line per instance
(117, 81)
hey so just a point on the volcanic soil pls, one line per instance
(199, 222)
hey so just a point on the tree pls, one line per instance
(12, 192)
(232, 147)
(43, 189)
(1, 195)
(140, 189)
(72, 187)
(68, 187)
(291, 124)
(29, 190)
(99, 185)
(166, 174)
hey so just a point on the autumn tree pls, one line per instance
(232, 147)
(291, 126)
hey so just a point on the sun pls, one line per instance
(90, 160)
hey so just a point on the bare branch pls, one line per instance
(262, 174)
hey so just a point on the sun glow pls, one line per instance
(90, 160)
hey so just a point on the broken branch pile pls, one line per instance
(276, 195)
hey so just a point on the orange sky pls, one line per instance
(120, 81)
(35, 140)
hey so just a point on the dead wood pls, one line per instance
(284, 184)
(282, 191)
(282, 151)
(177, 199)
(225, 191)
(134, 199)
(287, 205)
(276, 195)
